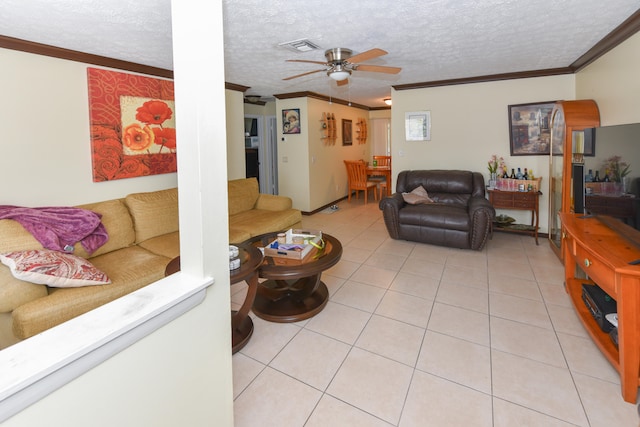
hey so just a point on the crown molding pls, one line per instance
(321, 97)
(621, 33)
(74, 55)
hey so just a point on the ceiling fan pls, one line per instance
(340, 64)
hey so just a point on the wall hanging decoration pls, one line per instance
(347, 138)
(529, 128)
(328, 124)
(361, 130)
(417, 126)
(291, 121)
(133, 130)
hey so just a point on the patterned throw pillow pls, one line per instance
(52, 268)
(418, 196)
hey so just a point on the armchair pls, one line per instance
(459, 215)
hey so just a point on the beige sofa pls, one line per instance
(252, 213)
(143, 238)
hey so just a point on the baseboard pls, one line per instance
(321, 208)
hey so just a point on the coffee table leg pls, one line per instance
(241, 323)
(290, 301)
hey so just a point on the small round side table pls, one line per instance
(241, 323)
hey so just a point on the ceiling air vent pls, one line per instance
(302, 45)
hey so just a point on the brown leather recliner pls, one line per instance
(460, 215)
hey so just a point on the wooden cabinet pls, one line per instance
(602, 251)
(526, 201)
(568, 121)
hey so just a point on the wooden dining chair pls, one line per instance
(357, 179)
(382, 181)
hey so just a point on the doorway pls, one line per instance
(261, 151)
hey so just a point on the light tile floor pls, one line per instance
(420, 335)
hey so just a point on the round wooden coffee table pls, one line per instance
(293, 290)
(241, 324)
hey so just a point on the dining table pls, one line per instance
(381, 171)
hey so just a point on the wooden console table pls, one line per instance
(518, 200)
(602, 249)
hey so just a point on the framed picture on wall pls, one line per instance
(291, 121)
(347, 132)
(417, 126)
(530, 128)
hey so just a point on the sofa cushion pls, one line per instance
(258, 221)
(117, 221)
(436, 215)
(238, 235)
(53, 268)
(15, 292)
(154, 213)
(129, 269)
(242, 194)
(15, 237)
(166, 245)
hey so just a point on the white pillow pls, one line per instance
(53, 268)
(418, 196)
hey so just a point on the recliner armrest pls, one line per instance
(390, 207)
(476, 203)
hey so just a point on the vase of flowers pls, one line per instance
(493, 164)
(618, 169)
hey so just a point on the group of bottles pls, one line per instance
(596, 178)
(528, 174)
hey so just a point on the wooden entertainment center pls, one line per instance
(601, 250)
(596, 249)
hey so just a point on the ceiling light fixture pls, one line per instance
(254, 99)
(339, 73)
(387, 101)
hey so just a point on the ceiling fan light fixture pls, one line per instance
(387, 101)
(253, 98)
(339, 75)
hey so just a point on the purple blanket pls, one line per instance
(57, 228)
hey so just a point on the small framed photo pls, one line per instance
(530, 128)
(417, 126)
(291, 121)
(347, 132)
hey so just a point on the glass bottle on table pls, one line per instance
(526, 174)
(519, 174)
(513, 174)
(597, 177)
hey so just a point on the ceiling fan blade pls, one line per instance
(365, 56)
(306, 61)
(378, 69)
(343, 82)
(303, 74)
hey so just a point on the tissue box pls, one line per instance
(301, 250)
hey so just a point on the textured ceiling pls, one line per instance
(430, 39)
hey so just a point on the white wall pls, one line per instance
(180, 374)
(46, 149)
(469, 123)
(314, 174)
(613, 81)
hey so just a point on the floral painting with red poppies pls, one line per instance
(133, 131)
